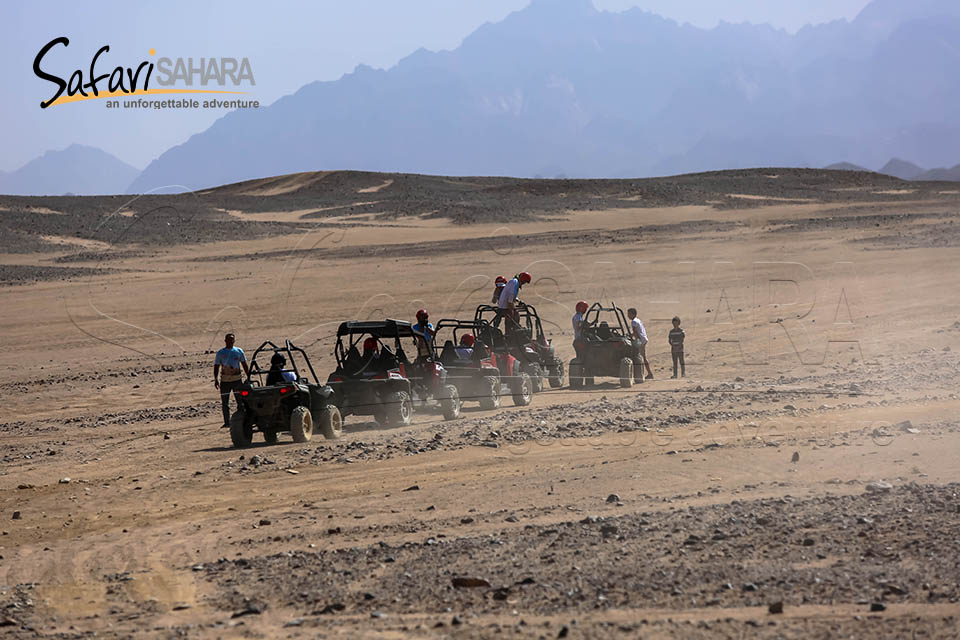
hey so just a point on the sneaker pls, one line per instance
(226, 425)
(649, 376)
(673, 377)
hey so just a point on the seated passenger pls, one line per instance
(371, 355)
(465, 350)
(277, 375)
(603, 331)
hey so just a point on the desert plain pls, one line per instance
(800, 482)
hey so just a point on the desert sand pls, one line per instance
(801, 481)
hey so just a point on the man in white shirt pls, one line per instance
(640, 335)
(506, 306)
(578, 319)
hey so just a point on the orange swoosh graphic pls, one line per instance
(141, 92)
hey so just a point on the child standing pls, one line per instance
(676, 348)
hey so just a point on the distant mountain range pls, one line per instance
(561, 89)
(76, 170)
(905, 171)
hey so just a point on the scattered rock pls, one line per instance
(415, 487)
(463, 582)
(878, 606)
(613, 498)
(330, 608)
(879, 486)
(749, 586)
(264, 523)
(775, 607)
(64, 481)
(16, 515)
(511, 518)
(796, 457)
(252, 608)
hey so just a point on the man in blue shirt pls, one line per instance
(424, 335)
(226, 373)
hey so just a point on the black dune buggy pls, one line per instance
(384, 384)
(283, 399)
(526, 342)
(473, 370)
(605, 348)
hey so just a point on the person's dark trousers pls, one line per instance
(678, 359)
(226, 390)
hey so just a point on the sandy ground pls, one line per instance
(824, 332)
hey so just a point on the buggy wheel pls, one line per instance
(522, 390)
(331, 422)
(450, 402)
(240, 432)
(588, 381)
(301, 424)
(626, 373)
(556, 375)
(576, 374)
(400, 409)
(270, 437)
(492, 398)
(536, 377)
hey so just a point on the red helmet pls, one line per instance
(501, 281)
(582, 306)
(524, 277)
(422, 315)
(370, 344)
(467, 340)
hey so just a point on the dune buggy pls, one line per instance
(526, 341)
(471, 370)
(605, 348)
(271, 402)
(512, 379)
(383, 383)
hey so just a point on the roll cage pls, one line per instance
(594, 324)
(288, 350)
(350, 334)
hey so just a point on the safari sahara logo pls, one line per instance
(171, 75)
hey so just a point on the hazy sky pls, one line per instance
(289, 43)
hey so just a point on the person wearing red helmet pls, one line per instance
(582, 307)
(371, 354)
(423, 331)
(465, 349)
(498, 289)
(507, 303)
